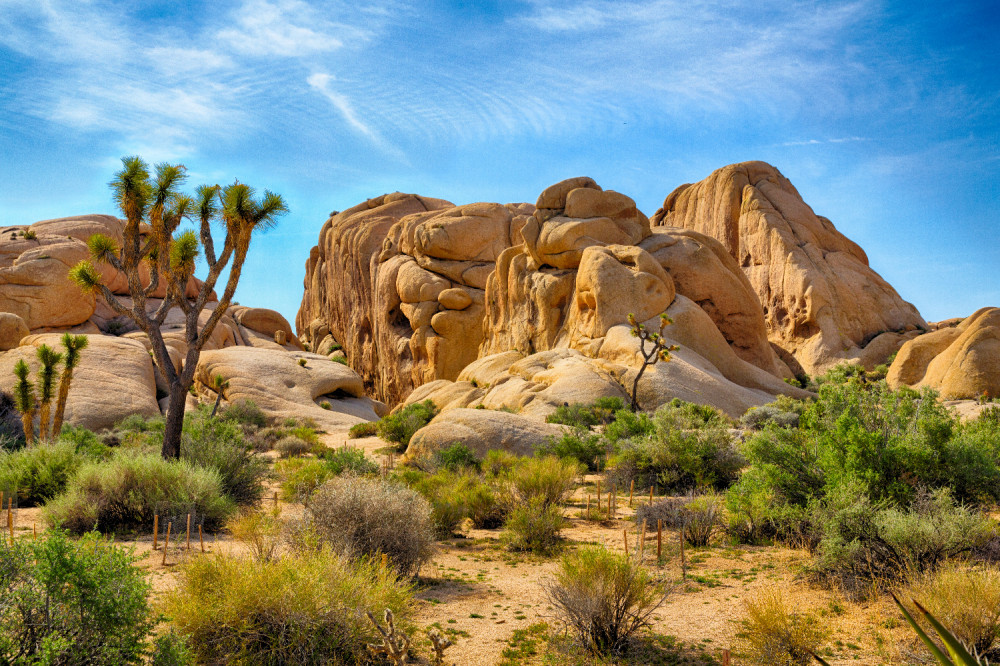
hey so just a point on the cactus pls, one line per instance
(395, 644)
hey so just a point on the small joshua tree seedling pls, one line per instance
(653, 348)
(24, 399)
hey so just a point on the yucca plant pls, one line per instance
(958, 654)
(25, 400)
(49, 360)
(73, 344)
(155, 200)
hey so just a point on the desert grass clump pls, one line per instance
(604, 597)
(771, 635)
(291, 447)
(964, 599)
(71, 602)
(534, 526)
(548, 479)
(366, 429)
(123, 494)
(244, 412)
(300, 477)
(258, 530)
(369, 517)
(303, 608)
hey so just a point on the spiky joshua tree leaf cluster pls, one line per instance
(154, 209)
(652, 346)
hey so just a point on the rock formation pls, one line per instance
(822, 303)
(116, 376)
(961, 359)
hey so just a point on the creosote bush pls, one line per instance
(258, 530)
(400, 426)
(580, 444)
(771, 635)
(548, 479)
(291, 446)
(584, 415)
(604, 597)
(71, 602)
(123, 494)
(303, 608)
(534, 526)
(38, 473)
(219, 445)
(366, 429)
(964, 599)
(363, 517)
(244, 412)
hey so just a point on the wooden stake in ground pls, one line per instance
(631, 489)
(275, 500)
(201, 540)
(156, 528)
(610, 492)
(726, 658)
(659, 539)
(588, 507)
(684, 570)
(642, 541)
(188, 535)
(651, 495)
(625, 534)
(34, 532)
(166, 544)
(598, 494)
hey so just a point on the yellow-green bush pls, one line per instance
(305, 608)
(964, 599)
(771, 635)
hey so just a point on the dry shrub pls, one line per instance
(696, 515)
(305, 608)
(770, 635)
(292, 446)
(259, 531)
(964, 599)
(606, 598)
(368, 517)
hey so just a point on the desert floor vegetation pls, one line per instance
(674, 537)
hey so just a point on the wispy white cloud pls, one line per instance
(819, 142)
(287, 28)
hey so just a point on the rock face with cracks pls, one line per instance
(822, 302)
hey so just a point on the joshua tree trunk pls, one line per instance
(43, 422)
(175, 423)
(218, 399)
(64, 382)
(27, 421)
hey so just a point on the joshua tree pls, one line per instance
(73, 344)
(24, 399)
(659, 350)
(158, 202)
(220, 385)
(49, 359)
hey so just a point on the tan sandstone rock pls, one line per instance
(822, 302)
(12, 330)
(481, 430)
(114, 379)
(961, 361)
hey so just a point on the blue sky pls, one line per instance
(886, 116)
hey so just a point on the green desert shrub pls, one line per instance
(304, 608)
(300, 477)
(548, 479)
(245, 413)
(219, 445)
(865, 547)
(348, 460)
(456, 457)
(71, 602)
(446, 492)
(586, 415)
(497, 463)
(534, 526)
(771, 635)
(366, 429)
(691, 447)
(171, 649)
(124, 493)
(400, 426)
(580, 444)
(363, 517)
(964, 599)
(38, 473)
(782, 413)
(257, 529)
(629, 425)
(605, 598)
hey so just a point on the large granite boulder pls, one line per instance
(822, 302)
(481, 430)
